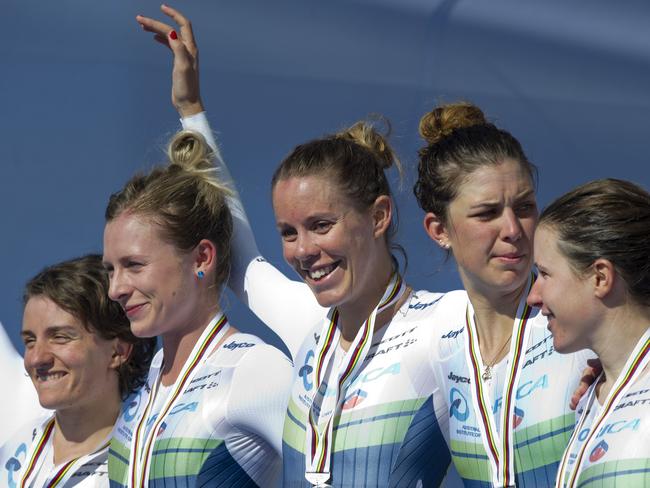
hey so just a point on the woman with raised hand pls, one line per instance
(508, 390)
(593, 257)
(361, 410)
(83, 361)
(212, 409)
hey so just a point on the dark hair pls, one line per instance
(355, 159)
(459, 141)
(80, 287)
(607, 219)
(185, 199)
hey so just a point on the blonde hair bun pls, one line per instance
(443, 120)
(365, 134)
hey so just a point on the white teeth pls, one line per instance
(50, 376)
(319, 273)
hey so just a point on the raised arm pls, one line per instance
(287, 307)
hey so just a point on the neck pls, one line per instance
(614, 340)
(81, 431)
(353, 315)
(177, 345)
(494, 316)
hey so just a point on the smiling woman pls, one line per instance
(83, 361)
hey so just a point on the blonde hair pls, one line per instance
(184, 198)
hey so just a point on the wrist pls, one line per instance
(190, 108)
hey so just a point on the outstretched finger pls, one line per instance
(153, 25)
(184, 26)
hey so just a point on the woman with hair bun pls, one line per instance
(593, 257)
(364, 410)
(211, 411)
(507, 389)
(83, 361)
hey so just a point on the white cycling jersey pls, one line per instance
(27, 460)
(388, 425)
(617, 453)
(540, 421)
(23, 407)
(221, 427)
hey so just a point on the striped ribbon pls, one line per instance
(319, 431)
(65, 471)
(143, 441)
(633, 368)
(499, 447)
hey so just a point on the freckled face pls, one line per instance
(330, 244)
(490, 227)
(69, 366)
(565, 298)
(152, 281)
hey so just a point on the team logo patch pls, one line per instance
(459, 408)
(161, 429)
(599, 451)
(517, 417)
(354, 399)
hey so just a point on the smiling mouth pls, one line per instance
(320, 273)
(45, 377)
(133, 309)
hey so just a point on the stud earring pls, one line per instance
(200, 274)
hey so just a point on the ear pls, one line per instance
(382, 213)
(436, 230)
(205, 256)
(604, 276)
(121, 352)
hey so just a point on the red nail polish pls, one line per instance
(172, 35)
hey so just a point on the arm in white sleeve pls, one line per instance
(259, 403)
(288, 307)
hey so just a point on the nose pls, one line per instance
(306, 249)
(511, 229)
(117, 286)
(38, 355)
(534, 298)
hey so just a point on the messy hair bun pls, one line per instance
(443, 120)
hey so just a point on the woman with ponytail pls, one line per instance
(364, 409)
(211, 411)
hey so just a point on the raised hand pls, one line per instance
(186, 95)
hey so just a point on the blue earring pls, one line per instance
(200, 274)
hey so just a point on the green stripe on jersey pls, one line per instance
(178, 456)
(536, 446)
(620, 474)
(373, 426)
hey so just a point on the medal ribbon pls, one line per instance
(65, 472)
(499, 448)
(633, 368)
(143, 442)
(319, 432)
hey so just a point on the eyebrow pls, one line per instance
(495, 203)
(51, 329)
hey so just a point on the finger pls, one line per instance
(152, 25)
(182, 57)
(184, 26)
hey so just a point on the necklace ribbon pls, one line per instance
(633, 368)
(142, 442)
(39, 449)
(499, 447)
(320, 425)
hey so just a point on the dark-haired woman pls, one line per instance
(362, 410)
(593, 257)
(507, 389)
(83, 361)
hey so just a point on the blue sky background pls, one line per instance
(85, 103)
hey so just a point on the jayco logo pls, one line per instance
(458, 379)
(238, 345)
(453, 333)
